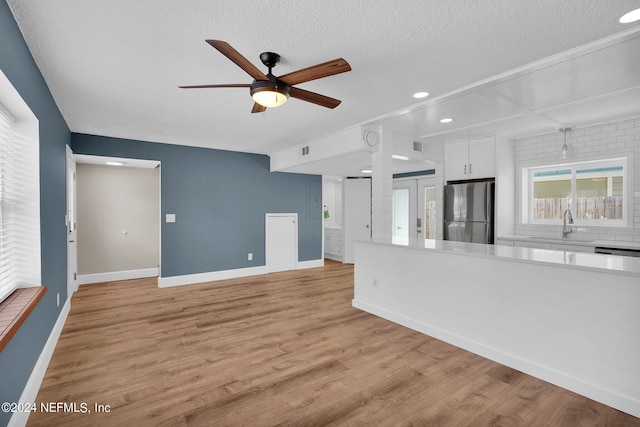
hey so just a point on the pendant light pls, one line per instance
(565, 147)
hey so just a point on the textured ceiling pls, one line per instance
(113, 67)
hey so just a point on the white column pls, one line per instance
(382, 187)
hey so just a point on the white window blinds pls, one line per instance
(19, 207)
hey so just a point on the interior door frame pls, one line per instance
(71, 223)
(267, 255)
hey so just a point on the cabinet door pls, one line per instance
(329, 243)
(482, 158)
(456, 155)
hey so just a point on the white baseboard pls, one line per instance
(112, 276)
(314, 263)
(596, 392)
(212, 276)
(333, 257)
(30, 392)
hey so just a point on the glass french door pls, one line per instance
(414, 208)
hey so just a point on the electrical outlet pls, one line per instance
(250, 256)
(58, 299)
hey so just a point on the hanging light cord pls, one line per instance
(565, 147)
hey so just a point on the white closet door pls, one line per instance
(282, 242)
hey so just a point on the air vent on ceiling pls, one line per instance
(305, 150)
(417, 146)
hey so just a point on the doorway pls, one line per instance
(414, 208)
(118, 218)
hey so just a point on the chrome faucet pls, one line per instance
(566, 229)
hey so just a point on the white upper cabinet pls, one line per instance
(471, 159)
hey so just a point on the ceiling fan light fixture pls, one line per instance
(269, 94)
(629, 17)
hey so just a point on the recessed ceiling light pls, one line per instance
(114, 163)
(632, 16)
(420, 95)
(399, 157)
(447, 120)
(366, 171)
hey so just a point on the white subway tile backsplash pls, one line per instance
(629, 124)
(617, 133)
(593, 142)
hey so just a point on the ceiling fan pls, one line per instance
(268, 90)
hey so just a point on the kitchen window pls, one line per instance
(594, 191)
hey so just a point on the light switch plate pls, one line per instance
(171, 218)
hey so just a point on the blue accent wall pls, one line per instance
(18, 359)
(220, 199)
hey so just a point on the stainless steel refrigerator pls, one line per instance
(469, 212)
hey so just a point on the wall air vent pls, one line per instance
(417, 146)
(305, 150)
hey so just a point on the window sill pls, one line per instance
(15, 309)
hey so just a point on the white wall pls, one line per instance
(118, 218)
(589, 143)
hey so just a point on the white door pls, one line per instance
(357, 214)
(282, 242)
(427, 219)
(404, 208)
(72, 232)
(414, 208)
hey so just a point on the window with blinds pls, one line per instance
(19, 206)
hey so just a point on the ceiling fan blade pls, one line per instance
(242, 62)
(319, 71)
(210, 86)
(257, 108)
(316, 98)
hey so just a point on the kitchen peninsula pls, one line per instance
(569, 318)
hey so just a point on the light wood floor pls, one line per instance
(280, 349)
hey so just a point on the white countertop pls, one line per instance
(585, 261)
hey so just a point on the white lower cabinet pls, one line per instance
(333, 244)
